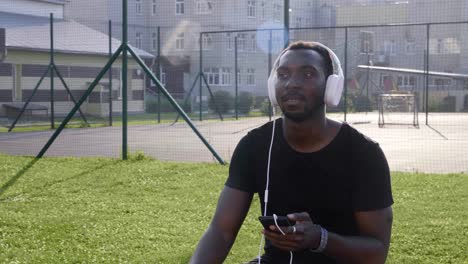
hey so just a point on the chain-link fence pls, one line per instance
(406, 85)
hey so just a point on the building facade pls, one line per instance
(80, 52)
(180, 23)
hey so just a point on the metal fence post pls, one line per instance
(52, 110)
(201, 72)
(80, 102)
(174, 103)
(158, 73)
(286, 23)
(235, 81)
(110, 74)
(124, 79)
(270, 48)
(346, 75)
(427, 72)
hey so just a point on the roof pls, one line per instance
(69, 37)
(61, 2)
(9, 20)
(415, 71)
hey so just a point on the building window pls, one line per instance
(439, 46)
(212, 75)
(451, 46)
(253, 42)
(229, 41)
(298, 22)
(444, 46)
(204, 6)
(241, 41)
(442, 82)
(154, 41)
(218, 76)
(138, 7)
(250, 76)
(251, 8)
(138, 40)
(226, 76)
(180, 41)
(262, 4)
(366, 39)
(277, 12)
(405, 81)
(162, 73)
(154, 8)
(239, 77)
(207, 41)
(390, 47)
(410, 47)
(180, 7)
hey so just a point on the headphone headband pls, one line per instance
(334, 86)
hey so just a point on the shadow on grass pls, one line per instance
(17, 176)
(32, 162)
(49, 184)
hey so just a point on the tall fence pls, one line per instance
(414, 70)
(406, 85)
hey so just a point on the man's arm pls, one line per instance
(215, 244)
(370, 246)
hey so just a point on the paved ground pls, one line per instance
(441, 147)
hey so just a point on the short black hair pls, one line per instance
(298, 45)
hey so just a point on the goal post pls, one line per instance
(398, 109)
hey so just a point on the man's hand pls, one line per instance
(303, 235)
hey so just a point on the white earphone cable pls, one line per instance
(267, 185)
(275, 217)
(265, 198)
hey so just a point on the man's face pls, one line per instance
(300, 84)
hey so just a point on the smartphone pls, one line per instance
(268, 221)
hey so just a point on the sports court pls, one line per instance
(439, 148)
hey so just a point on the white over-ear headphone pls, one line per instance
(335, 81)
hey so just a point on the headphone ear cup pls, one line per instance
(333, 90)
(271, 89)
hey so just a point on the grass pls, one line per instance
(88, 210)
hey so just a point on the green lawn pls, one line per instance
(68, 210)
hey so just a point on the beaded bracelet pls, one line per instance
(323, 241)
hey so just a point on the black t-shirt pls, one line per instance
(349, 174)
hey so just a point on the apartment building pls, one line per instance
(180, 23)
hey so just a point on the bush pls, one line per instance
(361, 103)
(354, 103)
(259, 101)
(246, 102)
(224, 101)
(265, 108)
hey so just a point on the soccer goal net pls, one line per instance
(398, 109)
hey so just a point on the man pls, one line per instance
(325, 176)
